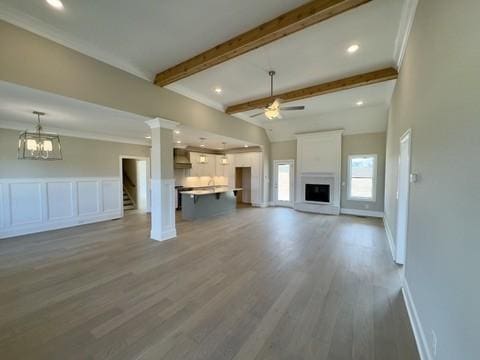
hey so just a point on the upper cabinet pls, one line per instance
(202, 169)
(243, 160)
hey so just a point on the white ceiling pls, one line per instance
(71, 117)
(147, 36)
(311, 56)
(143, 36)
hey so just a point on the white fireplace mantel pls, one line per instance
(319, 157)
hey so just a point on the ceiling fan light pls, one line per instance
(272, 113)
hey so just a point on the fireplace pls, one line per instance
(319, 193)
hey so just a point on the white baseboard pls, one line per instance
(169, 234)
(369, 213)
(391, 243)
(417, 327)
(260, 205)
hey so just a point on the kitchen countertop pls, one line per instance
(210, 190)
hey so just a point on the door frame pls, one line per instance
(148, 179)
(401, 241)
(276, 202)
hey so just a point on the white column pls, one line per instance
(161, 209)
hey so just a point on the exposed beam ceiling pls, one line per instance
(283, 25)
(320, 89)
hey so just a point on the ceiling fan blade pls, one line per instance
(300, 107)
(255, 115)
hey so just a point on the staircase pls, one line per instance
(127, 202)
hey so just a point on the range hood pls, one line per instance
(181, 159)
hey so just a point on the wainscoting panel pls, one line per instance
(88, 197)
(25, 203)
(110, 195)
(168, 209)
(59, 200)
(33, 205)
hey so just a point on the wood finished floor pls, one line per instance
(259, 284)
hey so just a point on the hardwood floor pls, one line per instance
(259, 284)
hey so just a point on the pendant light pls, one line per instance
(202, 159)
(38, 145)
(224, 159)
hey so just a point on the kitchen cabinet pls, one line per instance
(198, 169)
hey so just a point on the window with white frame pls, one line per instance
(362, 177)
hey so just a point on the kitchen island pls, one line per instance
(209, 201)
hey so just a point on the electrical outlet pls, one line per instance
(434, 343)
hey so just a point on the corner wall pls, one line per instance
(437, 97)
(42, 64)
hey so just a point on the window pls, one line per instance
(362, 177)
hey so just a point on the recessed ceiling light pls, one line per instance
(148, 137)
(177, 132)
(359, 102)
(218, 90)
(57, 4)
(179, 142)
(203, 145)
(245, 145)
(353, 48)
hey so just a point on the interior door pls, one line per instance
(283, 182)
(402, 198)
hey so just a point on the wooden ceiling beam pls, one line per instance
(297, 19)
(316, 90)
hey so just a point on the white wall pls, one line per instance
(39, 204)
(437, 96)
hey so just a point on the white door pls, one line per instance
(402, 197)
(283, 182)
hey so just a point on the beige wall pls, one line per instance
(284, 150)
(81, 158)
(437, 96)
(364, 144)
(351, 144)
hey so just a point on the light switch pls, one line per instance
(413, 178)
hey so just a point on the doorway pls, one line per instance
(283, 171)
(403, 190)
(243, 179)
(134, 175)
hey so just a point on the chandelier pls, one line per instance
(38, 145)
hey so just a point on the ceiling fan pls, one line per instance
(272, 111)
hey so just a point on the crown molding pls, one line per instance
(12, 125)
(404, 29)
(54, 34)
(161, 123)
